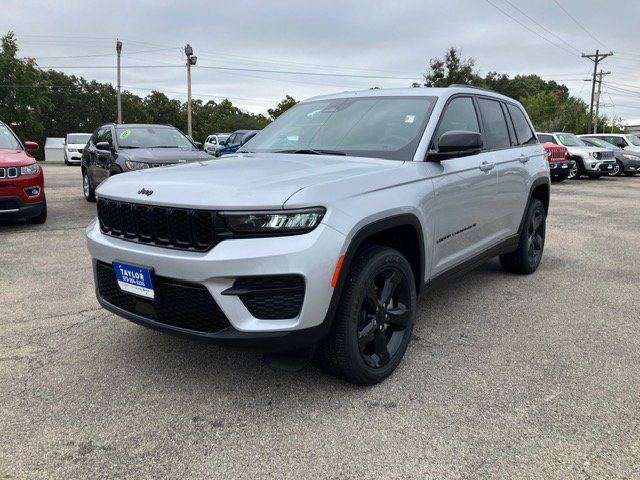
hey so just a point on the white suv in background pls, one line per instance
(620, 140)
(593, 162)
(214, 141)
(74, 144)
(318, 234)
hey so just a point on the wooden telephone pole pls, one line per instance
(595, 58)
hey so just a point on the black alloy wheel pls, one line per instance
(384, 317)
(535, 240)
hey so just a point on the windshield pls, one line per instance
(7, 140)
(222, 138)
(382, 127)
(152, 137)
(596, 142)
(634, 139)
(78, 139)
(570, 140)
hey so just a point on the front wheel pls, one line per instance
(618, 169)
(574, 171)
(42, 216)
(558, 178)
(374, 320)
(527, 257)
(87, 189)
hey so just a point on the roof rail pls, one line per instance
(462, 85)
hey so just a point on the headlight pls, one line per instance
(135, 165)
(279, 222)
(596, 154)
(30, 169)
(630, 157)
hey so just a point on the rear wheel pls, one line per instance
(527, 257)
(87, 189)
(374, 320)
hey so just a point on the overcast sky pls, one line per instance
(381, 39)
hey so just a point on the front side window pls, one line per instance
(617, 141)
(570, 140)
(460, 114)
(524, 133)
(232, 138)
(381, 127)
(8, 141)
(496, 131)
(151, 136)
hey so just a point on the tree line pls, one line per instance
(39, 103)
(549, 104)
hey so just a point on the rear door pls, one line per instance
(104, 158)
(514, 166)
(465, 190)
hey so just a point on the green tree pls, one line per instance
(283, 106)
(452, 69)
(162, 109)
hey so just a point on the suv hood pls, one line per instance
(585, 150)
(246, 181)
(162, 155)
(15, 158)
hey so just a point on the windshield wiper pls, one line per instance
(125, 146)
(165, 146)
(313, 151)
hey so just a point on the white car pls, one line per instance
(620, 140)
(214, 141)
(73, 146)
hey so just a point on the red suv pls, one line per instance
(21, 180)
(560, 166)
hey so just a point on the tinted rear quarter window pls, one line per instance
(495, 124)
(524, 133)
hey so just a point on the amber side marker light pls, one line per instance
(336, 272)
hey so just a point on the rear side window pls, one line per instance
(495, 124)
(460, 114)
(524, 133)
(544, 138)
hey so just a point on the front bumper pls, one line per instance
(15, 208)
(561, 168)
(312, 256)
(630, 164)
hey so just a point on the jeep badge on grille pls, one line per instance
(146, 192)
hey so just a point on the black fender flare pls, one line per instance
(356, 242)
(536, 183)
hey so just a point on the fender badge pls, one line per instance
(143, 191)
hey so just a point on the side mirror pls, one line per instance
(31, 146)
(105, 146)
(456, 143)
(247, 137)
(198, 144)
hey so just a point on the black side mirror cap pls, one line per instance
(456, 143)
(106, 146)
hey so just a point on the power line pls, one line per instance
(528, 28)
(97, 54)
(580, 25)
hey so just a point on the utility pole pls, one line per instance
(119, 96)
(600, 76)
(595, 58)
(191, 60)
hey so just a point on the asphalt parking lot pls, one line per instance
(506, 376)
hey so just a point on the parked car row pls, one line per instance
(591, 155)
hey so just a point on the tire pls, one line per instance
(630, 174)
(42, 216)
(526, 259)
(617, 170)
(88, 191)
(575, 171)
(558, 178)
(369, 335)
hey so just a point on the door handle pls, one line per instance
(487, 166)
(524, 158)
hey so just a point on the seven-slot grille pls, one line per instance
(9, 172)
(606, 155)
(556, 153)
(181, 228)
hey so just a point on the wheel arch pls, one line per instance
(541, 190)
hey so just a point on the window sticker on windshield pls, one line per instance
(125, 134)
(561, 137)
(292, 138)
(311, 114)
(409, 119)
(598, 142)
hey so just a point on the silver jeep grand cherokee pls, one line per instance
(318, 235)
